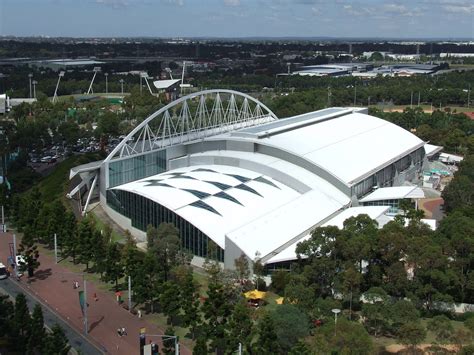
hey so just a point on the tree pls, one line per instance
(21, 318)
(291, 324)
(240, 327)
(169, 343)
(216, 310)
(69, 239)
(442, 328)
(242, 266)
(258, 270)
(6, 314)
(351, 282)
(113, 267)
(57, 342)
(375, 310)
(37, 333)
(189, 297)
(351, 338)
(30, 258)
(165, 244)
(20, 323)
(411, 334)
(300, 348)
(87, 238)
(169, 300)
(201, 346)
(280, 280)
(267, 341)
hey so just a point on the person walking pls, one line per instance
(95, 297)
(139, 312)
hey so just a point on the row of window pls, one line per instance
(385, 176)
(143, 212)
(136, 167)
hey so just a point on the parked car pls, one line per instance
(3, 272)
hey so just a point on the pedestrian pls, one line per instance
(124, 332)
(95, 297)
(74, 285)
(139, 313)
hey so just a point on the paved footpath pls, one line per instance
(53, 285)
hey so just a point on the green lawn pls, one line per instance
(424, 107)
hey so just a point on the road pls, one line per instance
(76, 340)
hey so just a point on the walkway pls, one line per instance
(53, 284)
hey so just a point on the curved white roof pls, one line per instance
(254, 210)
(349, 145)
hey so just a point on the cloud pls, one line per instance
(232, 2)
(116, 4)
(459, 9)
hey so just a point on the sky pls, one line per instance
(239, 18)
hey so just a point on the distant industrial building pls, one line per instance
(64, 64)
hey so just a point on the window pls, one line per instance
(226, 196)
(266, 181)
(220, 185)
(143, 212)
(205, 206)
(239, 177)
(202, 169)
(247, 188)
(198, 194)
(183, 177)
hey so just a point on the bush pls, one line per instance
(280, 279)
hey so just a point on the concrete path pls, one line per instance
(53, 285)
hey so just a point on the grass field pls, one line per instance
(426, 108)
(54, 186)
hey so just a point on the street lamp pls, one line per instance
(106, 83)
(34, 88)
(336, 311)
(95, 70)
(121, 84)
(55, 97)
(29, 78)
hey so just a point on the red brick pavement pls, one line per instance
(53, 283)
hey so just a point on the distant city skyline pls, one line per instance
(239, 18)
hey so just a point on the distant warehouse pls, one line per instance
(64, 64)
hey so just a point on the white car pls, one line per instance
(20, 264)
(3, 272)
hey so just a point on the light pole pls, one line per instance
(29, 79)
(469, 96)
(106, 83)
(34, 88)
(121, 84)
(55, 97)
(95, 70)
(336, 311)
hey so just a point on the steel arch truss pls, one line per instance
(195, 116)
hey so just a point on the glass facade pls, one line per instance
(136, 167)
(143, 212)
(385, 176)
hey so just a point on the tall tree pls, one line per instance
(240, 328)
(57, 342)
(412, 334)
(37, 333)
(113, 267)
(267, 341)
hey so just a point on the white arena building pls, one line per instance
(235, 179)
